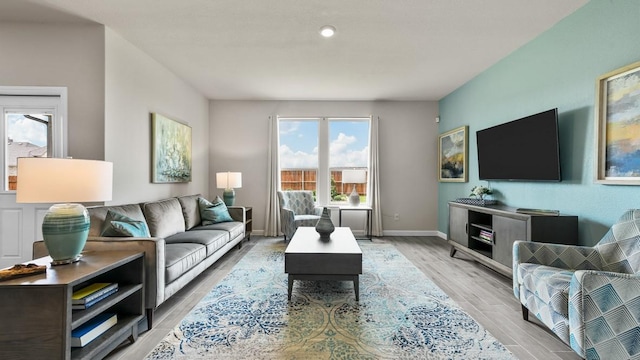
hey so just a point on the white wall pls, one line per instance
(69, 55)
(60, 55)
(137, 85)
(408, 148)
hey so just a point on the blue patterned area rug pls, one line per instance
(401, 315)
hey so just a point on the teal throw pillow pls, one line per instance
(116, 224)
(213, 213)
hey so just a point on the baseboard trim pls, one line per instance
(410, 233)
(435, 233)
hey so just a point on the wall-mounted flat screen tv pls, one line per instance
(526, 149)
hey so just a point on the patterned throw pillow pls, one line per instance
(213, 213)
(118, 225)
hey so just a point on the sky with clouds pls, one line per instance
(21, 129)
(348, 147)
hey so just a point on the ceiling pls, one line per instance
(259, 49)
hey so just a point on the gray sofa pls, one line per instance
(179, 249)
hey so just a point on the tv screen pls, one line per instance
(523, 149)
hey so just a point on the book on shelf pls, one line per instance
(91, 292)
(90, 330)
(486, 235)
(93, 301)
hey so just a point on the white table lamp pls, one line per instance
(354, 177)
(67, 181)
(229, 181)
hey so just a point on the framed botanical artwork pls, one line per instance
(170, 150)
(452, 155)
(618, 126)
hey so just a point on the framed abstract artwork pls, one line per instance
(618, 126)
(170, 150)
(452, 155)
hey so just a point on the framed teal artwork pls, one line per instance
(170, 150)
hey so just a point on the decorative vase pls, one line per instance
(325, 227)
(64, 230)
(229, 196)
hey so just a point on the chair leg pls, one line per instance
(525, 313)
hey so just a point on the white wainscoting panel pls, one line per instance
(20, 226)
(10, 236)
(11, 233)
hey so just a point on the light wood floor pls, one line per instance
(484, 294)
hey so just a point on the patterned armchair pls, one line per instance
(588, 296)
(297, 208)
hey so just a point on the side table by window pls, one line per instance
(368, 225)
(248, 222)
(246, 213)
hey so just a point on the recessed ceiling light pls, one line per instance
(327, 31)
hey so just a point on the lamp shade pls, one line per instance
(228, 180)
(53, 180)
(354, 176)
(65, 227)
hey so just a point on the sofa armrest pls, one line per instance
(570, 257)
(154, 260)
(600, 301)
(287, 216)
(287, 222)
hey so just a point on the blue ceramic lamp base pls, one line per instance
(229, 197)
(65, 229)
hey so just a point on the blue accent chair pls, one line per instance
(588, 296)
(297, 208)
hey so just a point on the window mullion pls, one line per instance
(324, 180)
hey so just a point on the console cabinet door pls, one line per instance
(505, 232)
(458, 220)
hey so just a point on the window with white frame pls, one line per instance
(315, 154)
(28, 129)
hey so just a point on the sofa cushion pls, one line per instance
(190, 210)
(180, 257)
(213, 212)
(212, 239)
(99, 213)
(164, 217)
(131, 228)
(116, 224)
(549, 284)
(234, 228)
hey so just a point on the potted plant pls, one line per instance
(480, 191)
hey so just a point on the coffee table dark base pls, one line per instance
(354, 278)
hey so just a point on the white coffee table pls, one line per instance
(309, 258)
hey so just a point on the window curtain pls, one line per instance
(272, 213)
(374, 179)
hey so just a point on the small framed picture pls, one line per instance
(452, 155)
(618, 126)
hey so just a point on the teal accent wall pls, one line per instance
(558, 69)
